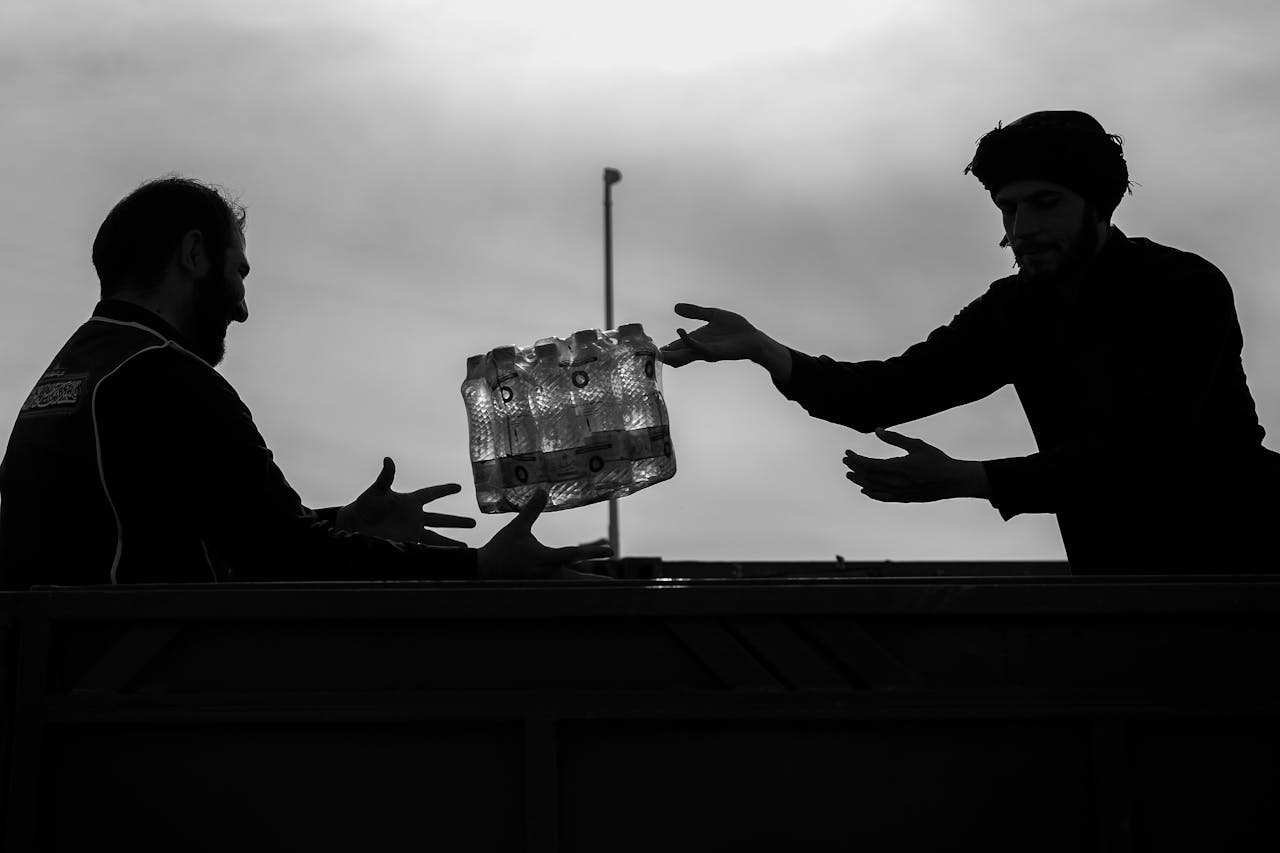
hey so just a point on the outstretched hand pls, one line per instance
(514, 553)
(727, 336)
(399, 516)
(924, 474)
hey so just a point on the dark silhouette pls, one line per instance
(1124, 353)
(134, 461)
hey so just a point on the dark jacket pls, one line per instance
(1149, 444)
(134, 461)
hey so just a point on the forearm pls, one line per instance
(1071, 476)
(863, 396)
(929, 377)
(308, 549)
(775, 358)
(973, 481)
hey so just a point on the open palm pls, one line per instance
(726, 336)
(382, 512)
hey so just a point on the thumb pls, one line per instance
(529, 512)
(385, 476)
(907, 443)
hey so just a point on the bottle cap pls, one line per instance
(631, 330)
(505, 356)
(548, 350)
(586, 336)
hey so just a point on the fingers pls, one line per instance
(694, 312)
(439, 519)
(676, 354)
(578, 553)
(877, 476)
(431, 493)
(523, 522)
(385, 476)
(878, 483)
(568, 573)
(870, 464)
(685, 350)
(898, 440)
(695, 349)
(882, 493)
(428, 537)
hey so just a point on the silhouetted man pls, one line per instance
(134, 461)
(1125, 355)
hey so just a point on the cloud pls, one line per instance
(423, 182)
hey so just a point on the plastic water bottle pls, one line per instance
(559, 428)
(583, 418)
(637, 380)
(590, 372)
(520, 468)
(478, 396)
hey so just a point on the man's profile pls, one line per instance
(1125, 355)
(133, 461)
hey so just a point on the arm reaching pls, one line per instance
(726, 337)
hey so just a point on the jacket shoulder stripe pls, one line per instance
(146, 329)
(97, 444)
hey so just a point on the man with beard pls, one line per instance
(134, 461)
(1125, 355)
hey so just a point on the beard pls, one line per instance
(1074, 256)
(212, 317)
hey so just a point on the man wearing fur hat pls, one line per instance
(1125, 355)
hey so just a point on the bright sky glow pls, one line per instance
(423, 182)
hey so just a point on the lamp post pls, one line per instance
(611, 177)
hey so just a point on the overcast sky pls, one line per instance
(423, 183)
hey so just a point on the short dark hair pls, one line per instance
(141, 232)
(1067, 147)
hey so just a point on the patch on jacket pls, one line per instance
(57, 392)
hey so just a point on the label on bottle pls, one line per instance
(503, 385)
(579, 374)
(561, 466)
(601, 449)
(611, 438)
(636, 444)
(649, 356)
(660, 440)
(485, 473)
(521, 469)
(647, 443)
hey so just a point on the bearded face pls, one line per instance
(1052, 230)
(218, 300)
(211, 316)
(1060, 257)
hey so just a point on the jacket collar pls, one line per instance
(128, 312)
(1115, 247)
(1111, 262)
